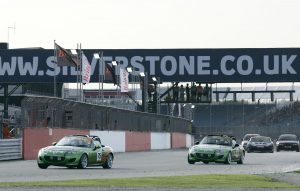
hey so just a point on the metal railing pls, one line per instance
(10, 149)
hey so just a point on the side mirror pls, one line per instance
(54, 143)
(197, 143)
(95, 147)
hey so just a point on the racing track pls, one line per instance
(154, 163)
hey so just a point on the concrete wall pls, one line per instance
(121, 141)
(114, 139)
(160, 141)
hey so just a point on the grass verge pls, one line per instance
(194, 181)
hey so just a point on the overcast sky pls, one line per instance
(151, 24)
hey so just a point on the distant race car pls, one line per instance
(287, 142)
(76, 151)
(246, 138)
(216, 148)
(261, 144)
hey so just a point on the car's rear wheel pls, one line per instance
(109, 162)
(228, 159)
(241, 161)
(83, 162)
(43, 166)
(278, 150)
(205, 162)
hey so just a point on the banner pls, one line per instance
(124, 80)
(86, 70)
(239, 65)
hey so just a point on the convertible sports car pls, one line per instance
(76, 151)
(216, 148)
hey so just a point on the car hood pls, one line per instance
(205, 147)
(61, 149)
(286, 141)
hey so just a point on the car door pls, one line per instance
(96, 153)
(235, 152)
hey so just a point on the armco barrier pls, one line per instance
(10, 149)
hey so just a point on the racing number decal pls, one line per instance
(99, 156)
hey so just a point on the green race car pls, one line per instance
(76, 151)
(216, 148)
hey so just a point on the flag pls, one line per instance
(65, 57)
(86, 69)
(123, 80)
(110, 71)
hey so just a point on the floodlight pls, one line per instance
(154, 79)
(142, 74)
(96, 56)
(114, 63)
(73, 51)
(129, 69)
(193, 106)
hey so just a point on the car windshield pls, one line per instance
(75, 141)
(216, 140)
(287, 138)
(248, 137)
(260, 139)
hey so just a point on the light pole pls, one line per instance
(101, 70)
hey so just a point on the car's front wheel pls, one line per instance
(42, 166)
(109, 162)
(83, 162)
(228, 159)
(190, 161)
(241, 161)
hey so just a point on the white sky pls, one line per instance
(151, 24)
(124, 24)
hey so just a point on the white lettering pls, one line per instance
(163, 65)
(51, 63)
(224, 69)
(249, 65)
(28, 67)
(189, 66)
(122, 63)
(152, 60)
(8, 68)
(286, 64)
(202, 63)
(136, 63)
(267, 67)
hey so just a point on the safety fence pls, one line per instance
(10, 149)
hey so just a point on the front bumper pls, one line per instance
(207, 157)
(264, 148)
(288, 147)
(66, 160)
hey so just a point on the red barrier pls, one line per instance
(36, 138)
(178, 140)
(137, 141)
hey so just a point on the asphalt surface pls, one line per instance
(154, 163)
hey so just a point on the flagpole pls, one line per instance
(55, 57)
(81, 85)
(77, 76)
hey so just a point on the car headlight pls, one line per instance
(192, 150)
(277, 143)
(70, 152)
(219, 152)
